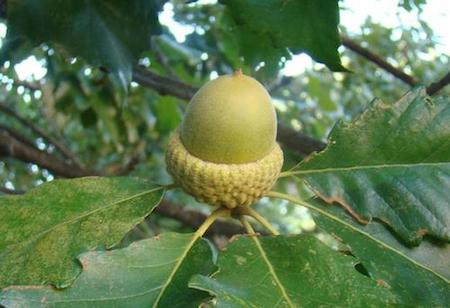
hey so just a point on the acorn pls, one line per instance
(224, 153)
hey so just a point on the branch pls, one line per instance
(438, 85)
(40, 132)
(163, 85)
(161, 58)
(298, 142)
(16, 146)
(282, 82)
(369, 55)
(8, 191)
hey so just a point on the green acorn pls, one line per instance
(225, 153)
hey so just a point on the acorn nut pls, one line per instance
(224, 153)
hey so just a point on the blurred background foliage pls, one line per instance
(112, 133)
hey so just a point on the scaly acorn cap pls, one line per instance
(224, 153)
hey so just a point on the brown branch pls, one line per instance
(40, 132)
(163, 85)
(18, 147)
(438, 85)
(26, 84)
(410, 80)
(8, 191)
(161, 58)
(296, 141)
(369, 55)
(282, 82)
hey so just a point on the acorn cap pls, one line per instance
(228, 185)
(230, 120)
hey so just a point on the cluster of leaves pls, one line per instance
(61, 243)
(94, 213)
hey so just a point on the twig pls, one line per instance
(58, 145)
(26, 84)
(438, 85)
(432, 89)
(162, 58)
(298, 142)
(10, 191)
(282, 82)
(21, 149)
(369, 55)
(163, 85)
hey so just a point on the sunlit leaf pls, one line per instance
(106, 33)
(391, 163)
(43, 231)
(296, 271)
(267, 29)
(418, 276)
(152, 272)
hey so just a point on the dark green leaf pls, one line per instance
(321, 93)
(88, 117)
(289, 272)
(267, 29)
(391, 163)
(43, 231)
(105, 33)
(167, 114)
(420, 276)
(131, 277)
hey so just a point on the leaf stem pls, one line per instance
(251, 212)
(220, 212)
(286, 174)
(170, 186)
(248, 227)
(278, 195)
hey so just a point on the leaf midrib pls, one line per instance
(350, 226)
(272, 271)
(99, 299)
(364, 167)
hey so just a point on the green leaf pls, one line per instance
(167, 114)
(318, 91)
(391, 163)
(43, 231)
(267, 29)
(135, 276)
(105, 33)
(289, 272)
(418, 276)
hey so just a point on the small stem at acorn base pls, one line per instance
(285, 174)
(251, 212)
(248, 227)
(220, 212)
(170, 186)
